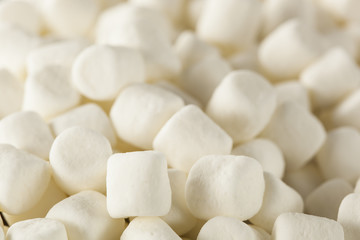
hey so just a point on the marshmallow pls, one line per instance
(88, 115)
(11, 95)
(49, 92)
(231, 24)
(347, 112)
(37, 228)
(221, 227)
(188, 135)
(260, 233)
(78, 158)
(348, 216)
(225, 185)
(293, 91)
(325, 200)
(149, 228)
(100, 71)
(138, 185)
(140, 111)
(299, 226)
(339, 156)
(179, 217)
(24, 179)
(277, 50)
(297, 132)
(266, 152)
(27, 131)
(242, 104)
(341, 10)
(85, 217)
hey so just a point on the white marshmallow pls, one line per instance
(297, 132)
(225, 185)
(11, 93)
(348, 216)
(88, 115)
(188, 135)
(149, 228)
(49, 92)
(23, 181)
(78, 158)
(179, 217)
(141, 110)
(325, 200)
(100, 71)
(347, 112)
(299, 226)
(27, 131)
(85, 217)
(222, 227)
(230, 24)
(37, 228)
(242, 104)
(138, 185)
(341, 10)
(266, 152)
(278, 198)
(293, 91)
(339, 156)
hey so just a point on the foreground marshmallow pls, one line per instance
(348, 216)
(23, 181)
(298, 226)
(78, 158)
(293, 91)
(37, 228)
(347, 112)
(11, 93)
(225, 185)
(242, 104)
(188, 135)
(138, 185)
(85, 217)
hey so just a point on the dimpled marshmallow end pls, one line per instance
(225, 185)
(37, 228)
(188, 135)
(138, 185)
(297, 132)
(278, 198)
(85, 217)
(101, 71)
(226, 228)
(348, 111)
(266, 152)
(293, 91)
(349, 216)
(299, 226)
(23, 181)
(242, 104)
(11, 93)
(149, 228)
(141, 110)
(27, 131)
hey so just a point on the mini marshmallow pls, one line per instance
(341, 10)
(225, 185)
(347, 112)
(23, 181)
(85, 217)
(141, 110)
(49, 92)
(149, 228)
(27, 131)
(231, 24)
(138, 185)
(179, 217)
(348, 216)
(278, 198)
(188, 135)
(37, 228)
(11, 93)
(325, 200)
(266, 152)
(88, 115)
(299, 226)
(221, 227)
(242, 104)
(100, 71)
(293, 91)
(78, 158)
(297, 132)
(339, 156)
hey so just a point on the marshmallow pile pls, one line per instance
(179, 120)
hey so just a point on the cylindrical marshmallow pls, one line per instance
(293, 91)
(347, 112)
(11, 96)
(349, 216)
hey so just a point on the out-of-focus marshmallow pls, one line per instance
(341, 10)
(348, 216)
(11, 93)
(347, 112)
(293, 91)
